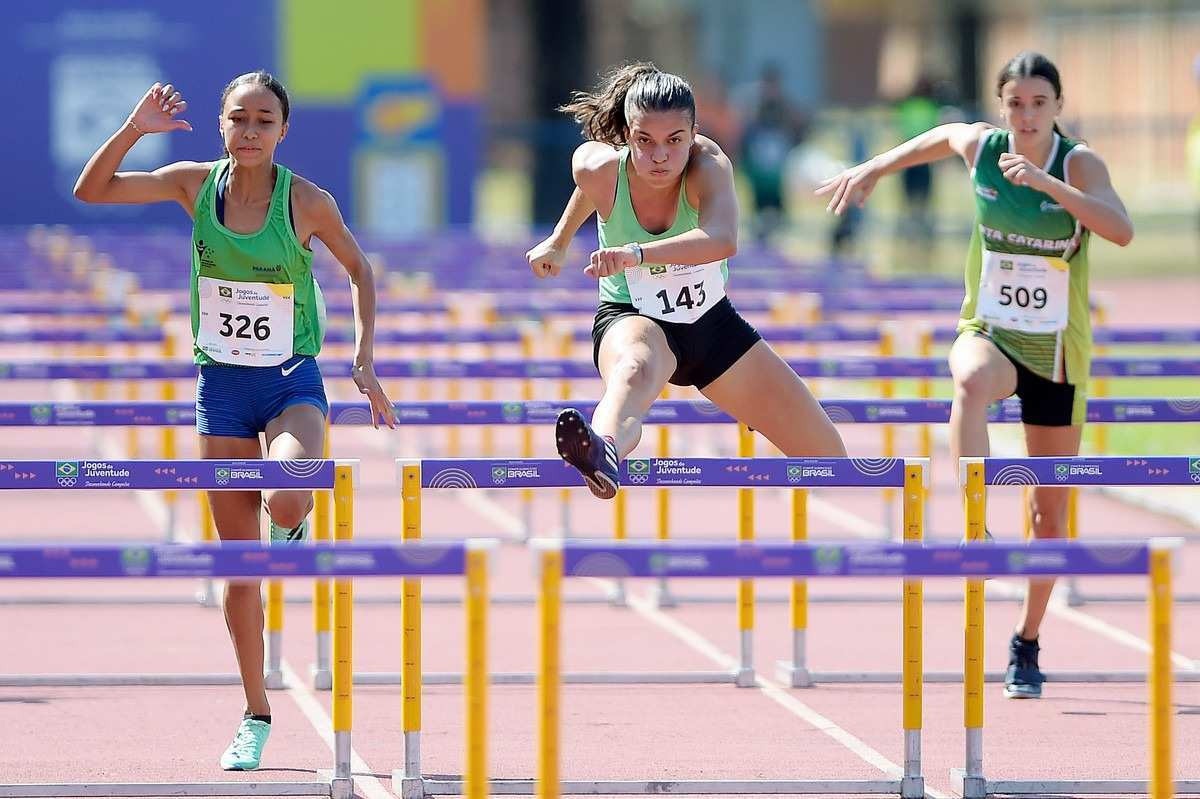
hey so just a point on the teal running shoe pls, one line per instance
(245, 753)
(1024, 678)
(296, 535)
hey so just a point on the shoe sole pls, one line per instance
(1020, 694)
(574, 446)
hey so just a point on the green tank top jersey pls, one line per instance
(1018, 219)
(273, 254)
(622, 227)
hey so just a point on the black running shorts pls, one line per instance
(703, 349)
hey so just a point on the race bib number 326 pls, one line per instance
(247, 324)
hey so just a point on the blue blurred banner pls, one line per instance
(83, 64)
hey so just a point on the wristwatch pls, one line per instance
(637, 250)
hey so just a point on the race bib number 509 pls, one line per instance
(1029, 293)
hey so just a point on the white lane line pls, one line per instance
(364, 779)
(772, 690)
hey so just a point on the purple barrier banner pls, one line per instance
(850, 368)
(213, 475)
(418, 414)
(1114, 335)
(1092, 471)
(650, 472)
(478, 336)
(816, 334)
(232, 559)
(97, 414)
(896, 303)
(84, 335)
(535, 305)
(658, 559)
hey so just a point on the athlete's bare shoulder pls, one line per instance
(594, 168)
(189, 177)
(307, 195)
(707, 147)
(707, 155)
(594, 159)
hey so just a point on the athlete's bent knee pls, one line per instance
(976, 386)
(637, 372)
(288, 508)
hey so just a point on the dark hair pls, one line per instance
(259, 77)
(640, 85)
(1028, 64)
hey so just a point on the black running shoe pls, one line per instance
(1024, 679)
(593, 456)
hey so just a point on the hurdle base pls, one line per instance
(339, 787)
(1070, 787)
(967, 787)
(151, 789)
(912, 788)
(791, 675)
(273, 680)
(443, 787)
(616, 594)
(411, 787)
(207, 596)
(745, 678)
(322, 679)
(662, 598)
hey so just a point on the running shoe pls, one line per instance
(296, 535)
(1024, 679)
(593, 456)
(245, 753)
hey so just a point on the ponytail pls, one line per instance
(603, 112)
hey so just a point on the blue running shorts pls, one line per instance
(239, 401)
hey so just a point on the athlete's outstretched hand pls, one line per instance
(158, 110)
(381, 406)
(610, 261)
(851, 187)
(546, 259)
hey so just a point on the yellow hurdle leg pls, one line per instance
(527, 438)
(475, 775)
(274, 669)
(410, 640)
(887, 348)
(343, 634)
(1161, 784)
(796, 673)
(322, 675)
(208, 534)
(976, 502)
(662, 497)
(925, 391)
(745, 593)
(169, 450)
(912, 785)
(549, 673)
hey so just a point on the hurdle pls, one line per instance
(799, 560)
(417, 476)
(342, 562)
(976, 475)
(182, 475)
